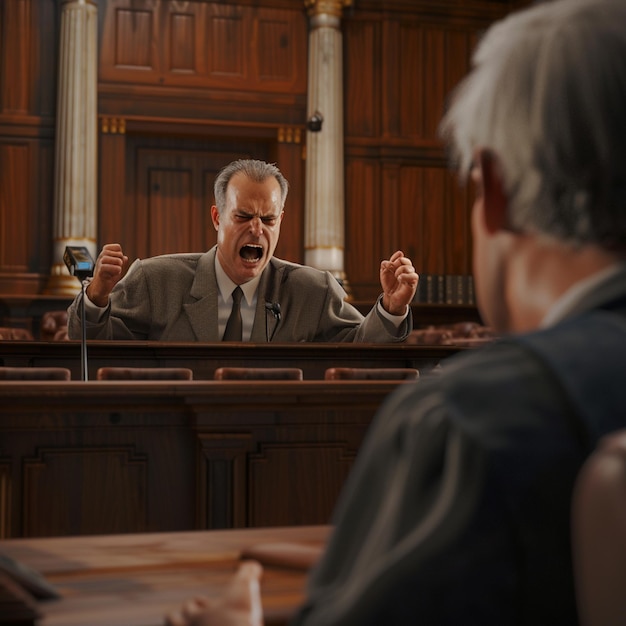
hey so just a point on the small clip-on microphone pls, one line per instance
(80, 264)
(274, 308)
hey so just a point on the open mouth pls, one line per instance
(251, 253)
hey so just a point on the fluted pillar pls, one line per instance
(75, 176)
(324, 187)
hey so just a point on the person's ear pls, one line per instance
(494, 196)
(215, 217)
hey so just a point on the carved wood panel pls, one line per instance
(312, 476)
(420, 210)
(173, 196)
(222, 481)
(54, 501)
(27, 99)
(25, 212)
(399, 194)
(15, 206)
(204, 44)
(167, 191)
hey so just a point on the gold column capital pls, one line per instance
(113, 125)
(92, 3)
(326, 7)
(289, 134)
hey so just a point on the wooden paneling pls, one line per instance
(27, 95)
(169, 192)
(204, 44)
(117, 457)
(363, 225)
(25, 211)
(17, 27)
(307, 465)
(399, 194)
(112, 474)
(409, 207)
(362, 96)
(14, 248)
(289, 157)
(183, 87)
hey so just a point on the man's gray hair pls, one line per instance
(257, 171)
(548, 95)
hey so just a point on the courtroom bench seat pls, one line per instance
(144, 373)
(15, 334)
(35, 373)
(371, 373)
(258, 373)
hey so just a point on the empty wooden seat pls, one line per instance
(371, 373)
(15, 334)
(35, 373)
(258, 373)
(144, 373)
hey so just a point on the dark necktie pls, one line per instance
(233, 330)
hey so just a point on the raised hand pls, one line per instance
(398, 279)
(111, 265)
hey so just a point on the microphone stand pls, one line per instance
(80, 264)
(83, 338)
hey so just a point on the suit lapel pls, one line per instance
(202, 313)
(269, 291)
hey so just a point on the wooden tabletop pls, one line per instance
(135, 580)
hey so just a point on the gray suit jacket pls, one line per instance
(174, 298)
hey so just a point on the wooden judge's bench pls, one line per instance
(104, 457)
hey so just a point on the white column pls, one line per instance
(75, 176)
(324, 188)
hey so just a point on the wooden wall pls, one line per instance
(184, 87)
(112, 457)
(28, 48)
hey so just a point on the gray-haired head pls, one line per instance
(548, 95)
(255, 170)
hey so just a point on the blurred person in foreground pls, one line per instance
(457, 510)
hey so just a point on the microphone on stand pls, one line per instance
(80, 264)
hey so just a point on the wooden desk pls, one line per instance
(204, 359)
(105, 457)
(135, 580)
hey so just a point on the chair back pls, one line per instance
(599, 534)
(15, 334)
(144, 373)
(258, 373)
(371, 373)
(35, 373)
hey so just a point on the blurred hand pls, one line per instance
(240, 606)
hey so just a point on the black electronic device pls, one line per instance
(78, 261)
